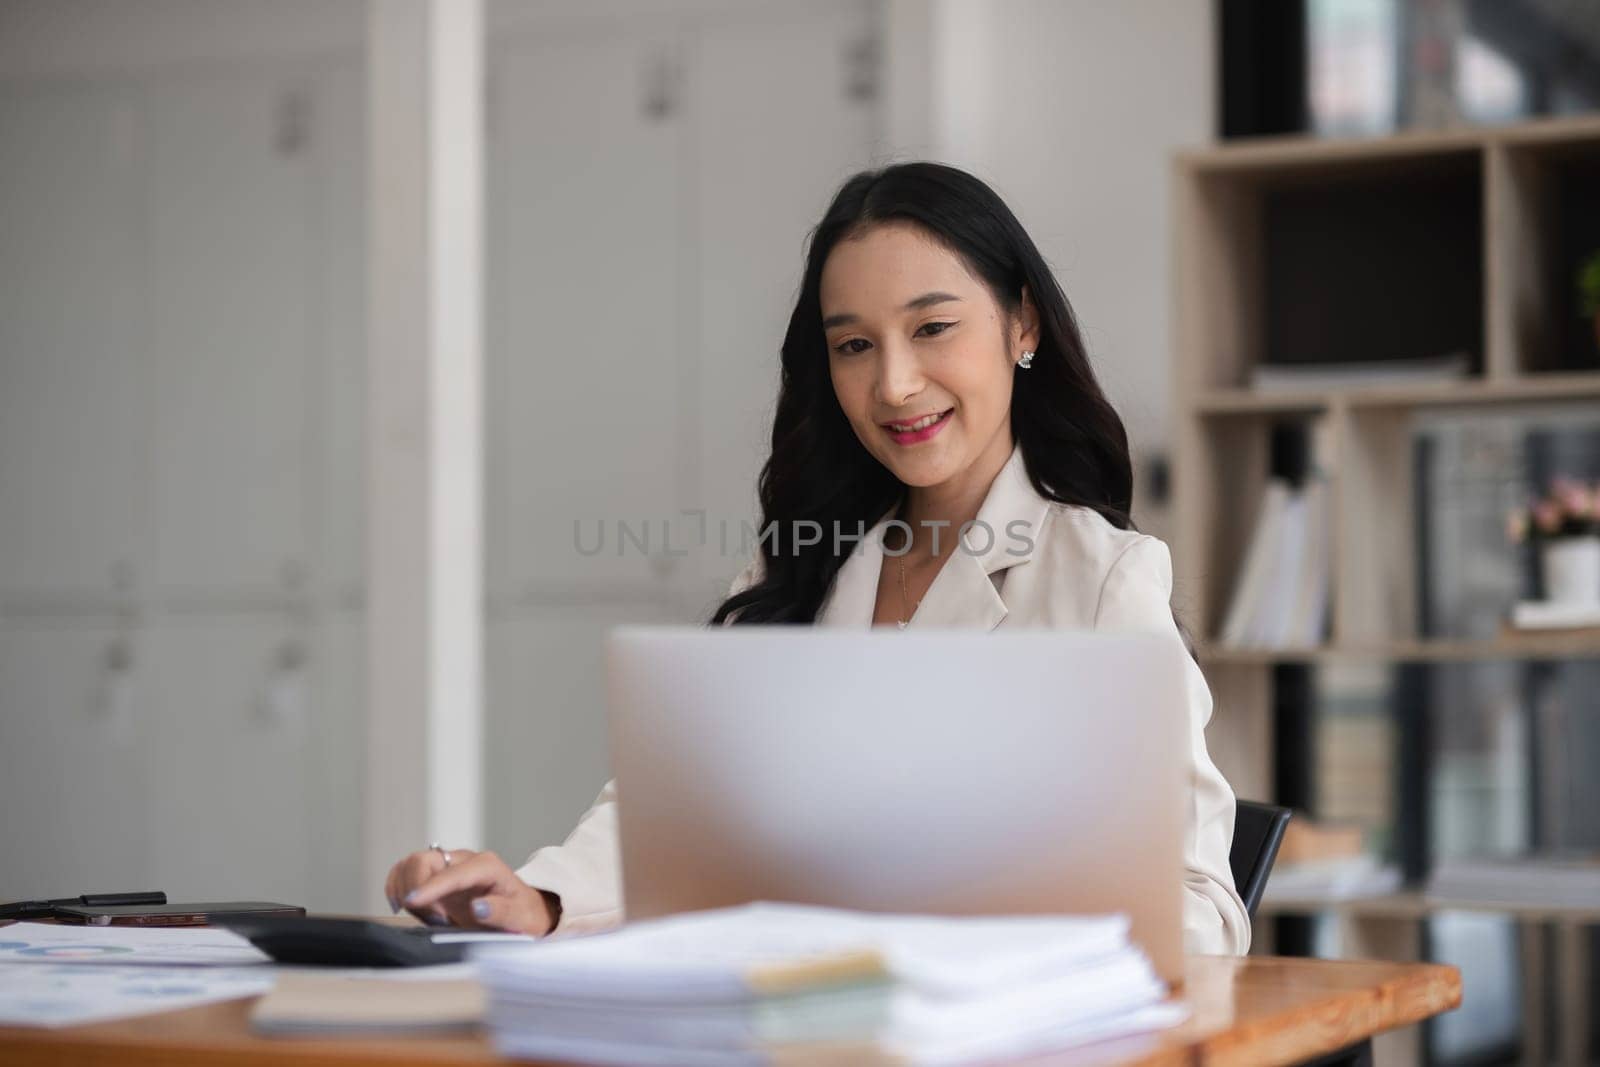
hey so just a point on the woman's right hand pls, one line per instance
(474, 890)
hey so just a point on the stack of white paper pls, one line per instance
(66, 975)
(769, 982)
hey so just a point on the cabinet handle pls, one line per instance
(283, 696)
(861, 67)
(292, 123)
(663, 80)
(115, 697)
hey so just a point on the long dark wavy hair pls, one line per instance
(1073, 442)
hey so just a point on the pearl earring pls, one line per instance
(1026, 361)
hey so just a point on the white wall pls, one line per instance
(1069, 107)
(1071, 110)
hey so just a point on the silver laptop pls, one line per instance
(949, 772)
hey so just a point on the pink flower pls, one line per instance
(1576, 499)
(1547, 516)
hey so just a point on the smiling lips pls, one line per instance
(918, 429)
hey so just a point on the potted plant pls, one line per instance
(1589, 292)
(1565, 524)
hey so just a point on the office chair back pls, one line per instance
(1257, 833)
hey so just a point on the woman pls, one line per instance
(935, 391)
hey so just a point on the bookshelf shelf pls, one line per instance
(1383, 906)
(1215, 402)
(1412, 905)
(1268, 156)
(1222, 655)
(1540, 646)
(1553, 388)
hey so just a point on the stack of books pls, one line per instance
(1352, 878)
(1546, 882)
(1371, 373)
(769, 983)
(1281, 600)
(1554, 615)
(1327, 862)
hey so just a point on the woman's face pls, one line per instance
(920, 353)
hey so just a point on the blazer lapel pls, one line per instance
(962, 596)
(855, 587)
(963, 593)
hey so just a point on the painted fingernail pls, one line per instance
(394, 905)
(480, 908)
(411, 897)
(437, 920)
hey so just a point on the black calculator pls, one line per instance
(323, 942)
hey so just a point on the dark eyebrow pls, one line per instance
(925, 300)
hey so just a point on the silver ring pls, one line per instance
(442, 851)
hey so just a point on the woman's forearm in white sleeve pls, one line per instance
(1137, 595)
(585, 871)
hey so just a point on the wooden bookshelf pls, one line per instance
(1422, 244)
(1512, 188)
(1521, 179)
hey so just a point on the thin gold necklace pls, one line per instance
(906, 607)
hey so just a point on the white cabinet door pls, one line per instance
(546, 742)
(336, 759)
(340, 149)
(584, 306)
(73, 403)
(782, 118)
(73, 776)
(232, 264)
(229, 722)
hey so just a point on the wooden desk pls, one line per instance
(1250, 1011)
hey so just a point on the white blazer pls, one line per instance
(1071, 570)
